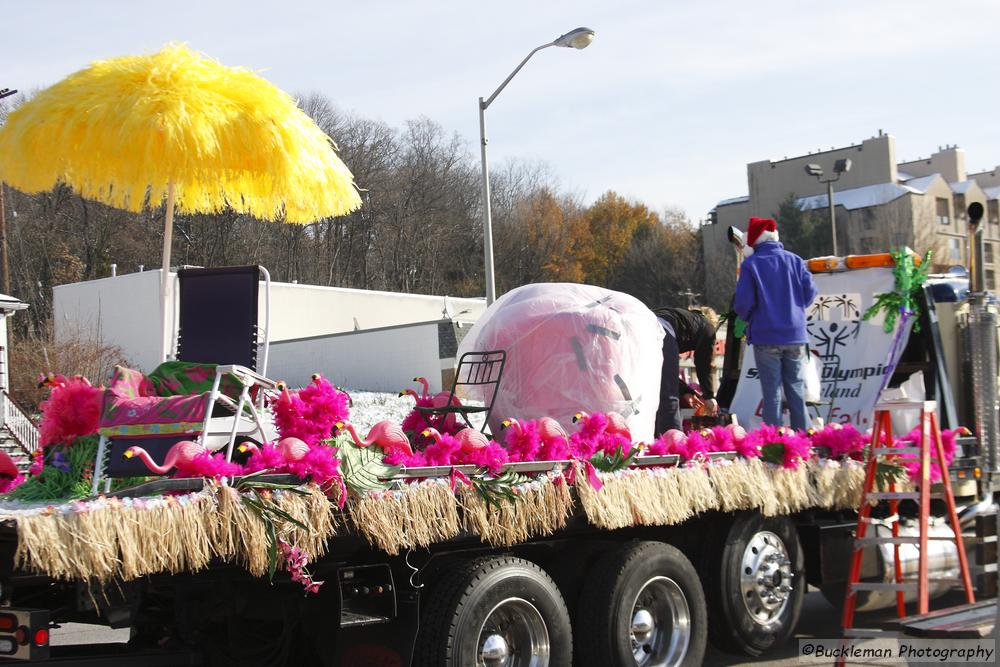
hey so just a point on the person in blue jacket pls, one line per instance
(772, 294)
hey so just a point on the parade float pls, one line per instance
(224, 517)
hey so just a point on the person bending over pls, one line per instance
(685, 331)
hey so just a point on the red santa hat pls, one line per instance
(758, 231)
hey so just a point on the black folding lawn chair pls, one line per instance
(475, 369)
(218, 322)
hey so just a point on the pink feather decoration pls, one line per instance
(311, 412)
(554, 449)
(442, 452)
(722, 439)
(841, 439)
(8, 484)
(610, 443)
(492, 456)
(205, 464)
(586, 441)
(398, 457)
(267, 457)
(523, 441)
(948, 445)
(71, 411)
(320, 465)
(794, 447)
(699, 443)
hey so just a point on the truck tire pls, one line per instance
(641, 604)
(756, 584)
(495, 610)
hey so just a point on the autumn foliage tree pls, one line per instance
(612, 222)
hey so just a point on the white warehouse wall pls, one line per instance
(384, 359)
(124, 312)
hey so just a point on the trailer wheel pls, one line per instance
(642, 605)
(495, 611)
(756, 584)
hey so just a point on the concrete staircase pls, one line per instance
(18, 432)
(14, 450)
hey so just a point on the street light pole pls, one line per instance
(491, 288)
(840, 167)
(577, 39)
(833, 213)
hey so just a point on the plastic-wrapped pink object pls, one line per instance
(569, 348)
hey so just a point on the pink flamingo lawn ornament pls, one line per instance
(181, 456)
(447, 423)
(386, 434)
(616, 423)
(549, 428)
(469, 439)
(292, 450)
(438, 400)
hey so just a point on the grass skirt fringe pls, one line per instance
(646, 496)
(740, 484)
(850, 482)
(542, 507)
(417, 515)
(108, 538)
(792, 490)
(823, 474)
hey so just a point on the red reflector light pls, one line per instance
(21, 635)
(8, 622)
(42, 636)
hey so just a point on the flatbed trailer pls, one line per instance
(655, 592)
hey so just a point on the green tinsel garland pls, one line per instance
(906, 297)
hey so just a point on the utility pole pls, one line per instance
(4, 264)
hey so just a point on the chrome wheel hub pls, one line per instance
(660, 629)
(513, 635)
(765, 577)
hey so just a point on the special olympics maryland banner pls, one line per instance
(853, 353)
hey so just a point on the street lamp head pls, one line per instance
(842, 166)
(577, 39)
(814, 170)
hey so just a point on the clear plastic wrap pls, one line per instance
(570, 348)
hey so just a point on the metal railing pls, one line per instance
(19, 424)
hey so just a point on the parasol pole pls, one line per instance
(168, 238)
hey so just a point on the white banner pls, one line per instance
(854, 354)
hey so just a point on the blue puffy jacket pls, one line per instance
(772, 295)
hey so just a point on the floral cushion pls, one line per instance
(160, 404)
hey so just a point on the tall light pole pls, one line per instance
(839, 167)
(575, 39)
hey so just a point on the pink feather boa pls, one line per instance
(71, 411)
(841, 439)
(311, 412)
(791, 446)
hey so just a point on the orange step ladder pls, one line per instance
(881, 445)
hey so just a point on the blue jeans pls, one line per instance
(782, 366)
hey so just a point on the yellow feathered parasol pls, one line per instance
(177, 127)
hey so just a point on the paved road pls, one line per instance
(819, 620)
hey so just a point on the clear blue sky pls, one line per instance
(667, 105)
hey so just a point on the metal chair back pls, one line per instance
(218, 315)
